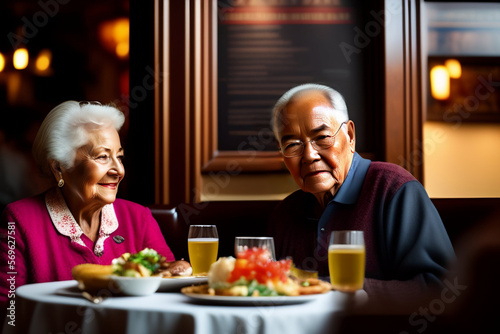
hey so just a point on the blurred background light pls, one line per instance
(122, 49)
(440, 83)
(43, 60)
(454, 68)
(2, 62)
(21, 59)
(114, 36)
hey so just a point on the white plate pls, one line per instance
(176, 283)
(251, 301)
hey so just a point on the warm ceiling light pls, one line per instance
(2, 62)
(21, 59)
(122, 49)
(43, 60)
(454, 68)
(121, 30)
(440, 83)
(114, 36)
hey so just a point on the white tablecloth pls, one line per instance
(56, 307)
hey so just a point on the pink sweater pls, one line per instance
(39, 252)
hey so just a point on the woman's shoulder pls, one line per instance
(27, 203)
(25, 211)
(126, 206)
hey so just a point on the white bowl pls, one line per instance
(137, 286)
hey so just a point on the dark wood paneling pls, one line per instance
(139, 146)
(403, 92)
(171, 154)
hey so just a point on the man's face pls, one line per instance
(308, 117)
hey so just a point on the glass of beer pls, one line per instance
(203, 245)
(244, 243)
(346, 260)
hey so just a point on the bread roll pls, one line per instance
(93, 277)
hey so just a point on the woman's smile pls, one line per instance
(109, 185)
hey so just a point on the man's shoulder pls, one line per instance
(298, 196)
(389, 171)
(386, 177)
(297, 204)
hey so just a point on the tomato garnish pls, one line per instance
(257, 264)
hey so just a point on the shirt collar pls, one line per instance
(65, 223)
(349, 191)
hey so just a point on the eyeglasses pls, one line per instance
(295, 148)
(84, 103)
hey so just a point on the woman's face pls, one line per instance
(306, 118)
(98, 170)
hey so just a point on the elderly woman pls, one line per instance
(406, 242)
(79, 220)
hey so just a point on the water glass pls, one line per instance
(244, 243)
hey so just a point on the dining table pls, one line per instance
(59, 307)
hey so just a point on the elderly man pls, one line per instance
(407, 247)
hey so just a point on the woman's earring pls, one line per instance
(60, 184)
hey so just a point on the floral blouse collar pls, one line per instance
(66, 224)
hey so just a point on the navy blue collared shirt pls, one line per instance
(349, 192)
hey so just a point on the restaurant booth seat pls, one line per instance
(232, 218)
(250, 218)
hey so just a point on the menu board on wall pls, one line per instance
(266, 47)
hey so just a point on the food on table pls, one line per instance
(302, 274)
(92, 277)
(255, 273)
(312, 286)
(149, 263)
(175, 268)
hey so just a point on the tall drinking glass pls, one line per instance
(346, 260)
(203, 245)
(243, 243)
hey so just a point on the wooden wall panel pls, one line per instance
(185, 104)
(403, 92)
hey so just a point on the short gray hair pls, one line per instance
(66, 128)
(336, 100)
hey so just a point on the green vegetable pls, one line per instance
(148, 257)
(131, 273)
(263, 289)
(253, 285)
(136, 265)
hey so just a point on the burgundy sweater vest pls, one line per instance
(381, 183)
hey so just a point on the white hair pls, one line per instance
(66, 128)
(336, 100)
